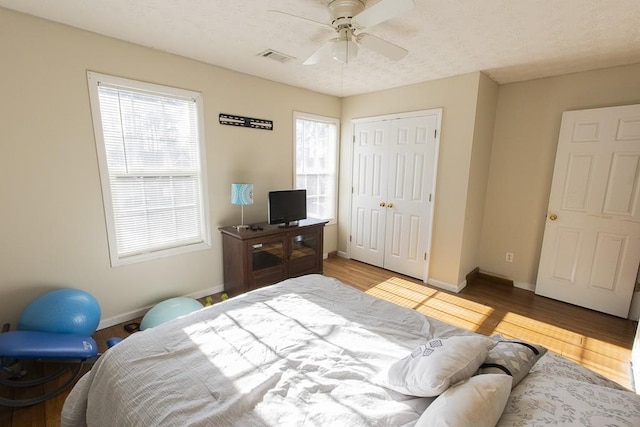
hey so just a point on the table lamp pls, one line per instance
(241, 194)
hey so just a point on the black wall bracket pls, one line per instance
(247, 122)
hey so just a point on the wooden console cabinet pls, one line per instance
(258, 258)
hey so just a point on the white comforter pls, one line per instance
(302, 352)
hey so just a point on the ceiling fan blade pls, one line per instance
(321, 54)
(380, 12)
(324, 24)
(383, 47)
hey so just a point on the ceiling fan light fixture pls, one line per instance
(344, 51)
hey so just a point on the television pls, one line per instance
(286, 207)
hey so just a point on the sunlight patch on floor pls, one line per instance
(402, 292)
(550, 335)
(516, 325)
(603, 357)
(448, 308)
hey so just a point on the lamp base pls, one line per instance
(241, 226)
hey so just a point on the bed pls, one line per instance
(312, 351)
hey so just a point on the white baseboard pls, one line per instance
(121, 318)
(125, 317)
(206, 292)
(524, 285)
(432, 282)
(447, 286)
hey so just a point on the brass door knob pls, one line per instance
(390, 205)
(553, 217)
(383, 204)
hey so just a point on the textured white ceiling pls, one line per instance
(511, 40)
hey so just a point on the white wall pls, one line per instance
(52, 224)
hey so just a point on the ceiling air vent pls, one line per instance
(276, 56)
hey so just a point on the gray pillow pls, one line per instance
(512, 357)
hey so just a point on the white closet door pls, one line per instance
(411, 176)
(369, 191)
(394, 169)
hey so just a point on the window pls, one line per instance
(150, 152)
(316, 150)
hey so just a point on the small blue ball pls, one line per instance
(63, 311)
(169, 310)
(113, 341)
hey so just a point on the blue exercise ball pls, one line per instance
(168, 310)
(63, 311)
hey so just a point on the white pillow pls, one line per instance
(431, 368)
(476, 402)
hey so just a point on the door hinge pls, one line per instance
(425, 256)
(435, 133)
(349, 237)
(354, 139)
(429, 196)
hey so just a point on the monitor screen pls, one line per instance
(287, 206)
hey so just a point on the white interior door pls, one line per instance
(394, 167)
(369, 191)
(411, 177)
(591, 244)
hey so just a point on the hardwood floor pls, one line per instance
(597, 341)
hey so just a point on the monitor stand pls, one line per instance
(289, 224)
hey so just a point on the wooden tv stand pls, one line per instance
(258, 258)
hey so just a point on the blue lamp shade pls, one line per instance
(241, 194)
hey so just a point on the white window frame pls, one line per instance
(203, 241)
(327, 120)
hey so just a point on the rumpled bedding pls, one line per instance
(301, 352)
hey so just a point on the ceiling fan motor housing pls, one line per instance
(342, 11)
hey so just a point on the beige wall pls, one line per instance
(52, 224)
(526, 133)
(496, 162)
(458, 96)
(478, 174)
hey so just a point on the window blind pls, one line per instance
(316, 158)
(153, 161)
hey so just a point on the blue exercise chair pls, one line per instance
(55, 327)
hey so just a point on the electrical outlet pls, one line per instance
(509, 257)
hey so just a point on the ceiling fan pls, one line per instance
(348, 18)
